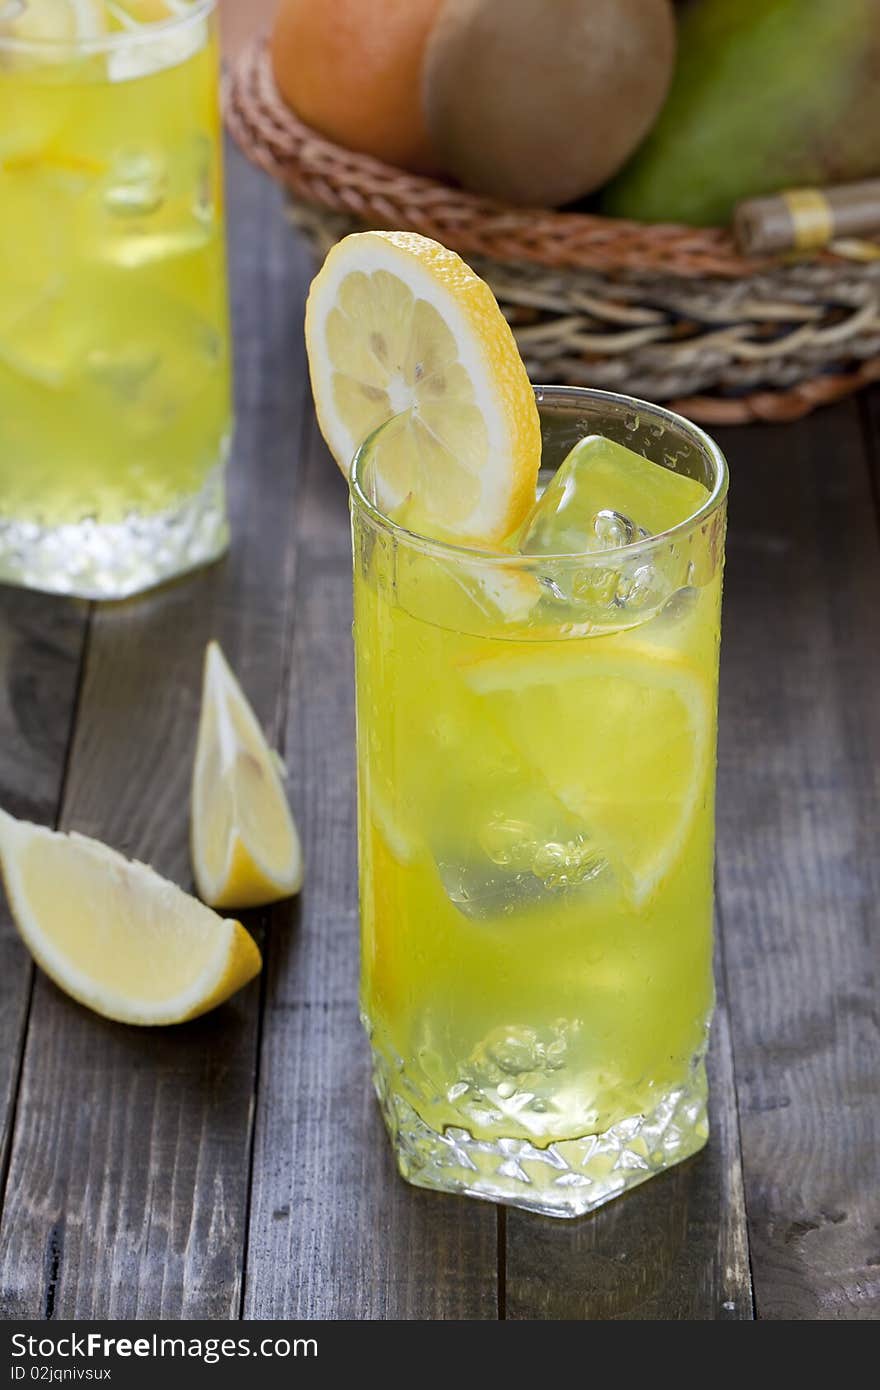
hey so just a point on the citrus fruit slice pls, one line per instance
(642, 766)
(132, 14)
(245, 847)
(113, 934)
(398, 326)
(153, 41)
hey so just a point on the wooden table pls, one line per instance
(237, 1166)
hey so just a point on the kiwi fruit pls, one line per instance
(539, 103)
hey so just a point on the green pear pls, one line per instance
(767, 94)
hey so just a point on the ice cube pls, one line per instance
(45, 342)
(602, 499)
(603, 496)
(528, 847)
(136, 184)
(150, 357)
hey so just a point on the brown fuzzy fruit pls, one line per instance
(541, 103)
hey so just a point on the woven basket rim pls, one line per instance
(658, 263)
(345, 180)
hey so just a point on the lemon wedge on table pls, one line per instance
(398, 326)
(245, 846)
(115, 935)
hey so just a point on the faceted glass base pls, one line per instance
(113, 560)
(567, 1178)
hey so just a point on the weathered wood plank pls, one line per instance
(869, 409)
(41, 642)
(675, 1248)
(333, 1231)
(799, 871)
(128, 1179)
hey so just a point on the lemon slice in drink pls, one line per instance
(397, 325)
(245, 847)
(116, 936)
(52, 21)
(129, 14)
(155, 44)
(641, 768)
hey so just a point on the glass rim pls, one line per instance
(108, 43)
(547, 395)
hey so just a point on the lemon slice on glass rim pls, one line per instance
(399, 326)
(115, 935)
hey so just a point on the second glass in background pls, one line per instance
(115, 408)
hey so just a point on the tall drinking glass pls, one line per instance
(536, 749)
(114, 355)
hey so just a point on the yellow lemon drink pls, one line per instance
(537, 755)
(114, 377)
(536, 671)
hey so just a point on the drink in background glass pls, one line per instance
(536, 741)
(114, 355)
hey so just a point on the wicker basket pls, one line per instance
(667, 313)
